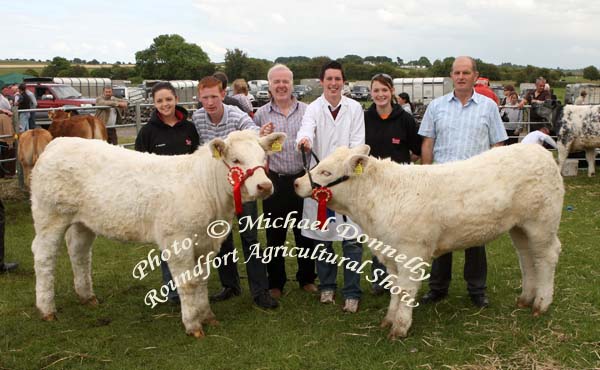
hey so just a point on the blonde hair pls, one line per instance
(240, 86)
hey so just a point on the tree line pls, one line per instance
(170, 57)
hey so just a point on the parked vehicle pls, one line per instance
(359, 92)
(300, 91)
(262, 95)
(133, 95)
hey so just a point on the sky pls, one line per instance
(548, 33)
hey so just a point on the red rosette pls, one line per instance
(235, 178)
(322, 196)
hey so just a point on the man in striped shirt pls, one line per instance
(284, 114)
(217, 120)
(457, 126)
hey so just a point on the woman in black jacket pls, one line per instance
(168, 132)
(391, 132)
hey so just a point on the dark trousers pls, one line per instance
(2, 222)
(32, 121)
(283, 201)
(475, 271)
(255, 268)
(112, 136)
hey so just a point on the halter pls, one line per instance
(322, 194)
(236, 178)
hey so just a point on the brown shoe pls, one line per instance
(310, 288)
(275, 293)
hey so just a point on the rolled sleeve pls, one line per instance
(427, 128)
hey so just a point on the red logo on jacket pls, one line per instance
(395, 140)
(188, 142)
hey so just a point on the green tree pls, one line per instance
(236, 64)
(442, 68)
(56, 66)
(591, 73)
(351, 58)
(170, 58)
(423, 61)
(77, 71)
(101, 73)
(32, 72)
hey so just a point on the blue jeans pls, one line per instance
(166, 276)
(24, 121)
(327, 272)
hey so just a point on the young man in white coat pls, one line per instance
(329, 122)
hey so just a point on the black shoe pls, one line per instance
(433, 296)
(225, 294)
(264, 300)
(480, 300)
(8, 266)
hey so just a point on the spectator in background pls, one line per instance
(391, 132)
(240, 92)
(284, 114)
(23, 101)
(113, 115)
(330, 121)
(483, 89)
(5, 106)
(404, 101)
(540, 137)
(582, 98)
(508, 89)
(511, 112)
(168, 132)
(537, 96)
(458, 126)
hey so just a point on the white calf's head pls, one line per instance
(245, 154)
(341, 167)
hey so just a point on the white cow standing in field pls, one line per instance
(87, 187)
(578, 128)
(427, 211)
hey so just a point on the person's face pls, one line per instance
(539, 86)
(280, 85)
(165, 102)
(381, 94)
(463, 76)
(512, 99)
(107, 93)
(333, 84)
(212, 99)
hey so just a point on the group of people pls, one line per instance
(455, 127)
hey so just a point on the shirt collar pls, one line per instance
(274, 108)
(476, 97)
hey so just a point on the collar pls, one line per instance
(272, 107)
(475, 97)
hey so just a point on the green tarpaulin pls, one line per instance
(13, 78)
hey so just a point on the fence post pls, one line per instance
(138, 118)
(16, 126)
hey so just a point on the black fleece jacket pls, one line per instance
(159, 138)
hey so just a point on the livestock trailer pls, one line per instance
(572, 91)
(87, 86)
(423, 90)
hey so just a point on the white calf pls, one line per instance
(427, 211)
(82, 188)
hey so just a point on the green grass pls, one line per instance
(123, 333)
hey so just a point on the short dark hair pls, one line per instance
(221, 76)
(163, 85)
(332, 65)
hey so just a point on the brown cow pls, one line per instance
(31, 144)
(85, 126)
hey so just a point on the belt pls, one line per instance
(281, 175)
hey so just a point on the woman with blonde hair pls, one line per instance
(240, 92)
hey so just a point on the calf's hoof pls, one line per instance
(91, 301)
(524, 303)
(198, 333)
(49, 317)
(385, 323)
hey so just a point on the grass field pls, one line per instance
(123, 333)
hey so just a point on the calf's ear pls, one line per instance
(356, 164)
(361, 149)
(273, 142)
(218, 148)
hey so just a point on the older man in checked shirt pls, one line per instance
(284, 114)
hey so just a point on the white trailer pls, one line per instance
(87, 86)
(423, 90)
